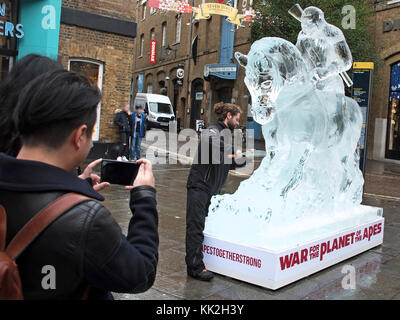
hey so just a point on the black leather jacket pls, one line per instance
(123, 121)
(85, 245)
(204, 173)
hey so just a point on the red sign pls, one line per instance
(153, 52)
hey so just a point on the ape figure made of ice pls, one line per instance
(324, 49)
(310, 174)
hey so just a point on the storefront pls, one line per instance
(95, 40)
(384, 124)
(28, 26)
(8, 38)
(393, 133)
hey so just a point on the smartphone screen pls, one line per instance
(119, 172)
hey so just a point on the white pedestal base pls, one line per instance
(275, 269)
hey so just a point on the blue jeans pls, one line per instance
(135, 146)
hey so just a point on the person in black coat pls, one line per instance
(55, 116)
(123, 121)
(207, 176)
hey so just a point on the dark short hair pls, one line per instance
(54, 104)
(25, 70)
(138, 106)
(222, 109)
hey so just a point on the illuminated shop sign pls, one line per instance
(8, 29)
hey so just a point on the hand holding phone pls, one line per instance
(96, 181)
(119, 172)
(144, 176)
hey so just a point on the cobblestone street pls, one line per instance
(377, 270)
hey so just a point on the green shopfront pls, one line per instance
(28, 26)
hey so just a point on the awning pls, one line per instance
(221, 70)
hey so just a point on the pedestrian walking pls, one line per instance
(56, 216)
(206, 179)
(138, 120)
(123, 121)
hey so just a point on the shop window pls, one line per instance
(393, 137)
(8, 39)
(94, 71)
(150, 88)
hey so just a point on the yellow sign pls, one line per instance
(363, 65)
(207, 9)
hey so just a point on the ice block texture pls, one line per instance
(310, 178)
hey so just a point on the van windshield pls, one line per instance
(159, 107)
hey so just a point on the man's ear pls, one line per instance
(79, 136)
(229, 115)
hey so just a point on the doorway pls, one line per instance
(196, 101)
(223, 94)
(94, 71)
(393, 129)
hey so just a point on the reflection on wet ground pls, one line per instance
(377, 270)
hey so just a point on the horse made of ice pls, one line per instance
(311, 135)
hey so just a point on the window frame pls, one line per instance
(178, 31)
(141, 45)
(164, 34)
(96, 130)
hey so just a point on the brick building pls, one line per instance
(110, 41)
(211, 75)
(94, 37)
(97, 37)
(384, 124)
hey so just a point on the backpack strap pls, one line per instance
(39, 222)
(3, 228)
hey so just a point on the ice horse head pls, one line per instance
(271, 65)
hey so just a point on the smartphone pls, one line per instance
(119, 172)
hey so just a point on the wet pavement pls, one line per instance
(377, 270)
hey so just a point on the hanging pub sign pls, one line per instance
(8, 29)
(180, 73)
(153, 46)
(207, 9)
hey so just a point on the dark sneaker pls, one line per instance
(202, 275)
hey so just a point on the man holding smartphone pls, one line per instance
(55, 116)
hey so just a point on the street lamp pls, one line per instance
(188, 61)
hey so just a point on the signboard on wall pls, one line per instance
(153, 47)
(199, 96)
(41, 25)
(7, 28)
(361, 92)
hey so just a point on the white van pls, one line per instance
(158, 109)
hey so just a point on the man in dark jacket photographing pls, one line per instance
(214, 159)
(55, 116)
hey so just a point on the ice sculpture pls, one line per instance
(309, 182)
